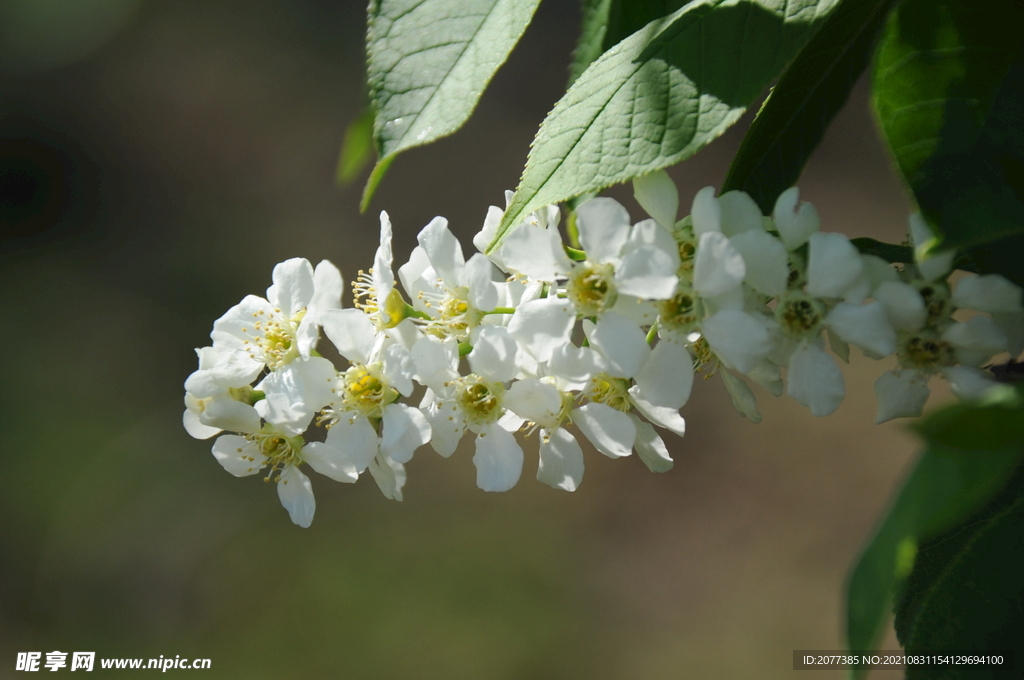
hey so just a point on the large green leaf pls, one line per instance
(949, 95)
(428, 62)
(972, 452)
(965, 592)
(661, 95)
(796, 114)
(607, 22)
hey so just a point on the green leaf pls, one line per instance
(593, 30)
(796, 114)
(428, 63)
(356, 148)
(661, 95)
(949, 95)
(965, 592)
(971, 453)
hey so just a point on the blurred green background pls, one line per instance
(156, 159)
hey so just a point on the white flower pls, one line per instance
(454, 293)
(217, 395)
(623, 263)
(281, 455)
(475, 402)
(284, 326)
(366, 395)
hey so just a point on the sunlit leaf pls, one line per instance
(356, 148)
(661, 95)
(429, 62)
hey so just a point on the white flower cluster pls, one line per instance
(537, 337)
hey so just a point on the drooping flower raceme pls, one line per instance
(601, 338)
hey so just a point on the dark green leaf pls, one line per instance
(356, 148)
(887, 251)
(428, 62)
(794, 118)
(965, 590)
(661, 95)
(972, 451)
(949, 95)
(593, 30)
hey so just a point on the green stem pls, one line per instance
(653, 333)
(887, 251)
(465, 348)
(572, 229)
(501, 310)
(575, 254)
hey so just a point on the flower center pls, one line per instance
(591, 288)
(365, 390)
(480, 400)
(936, 301)
(274, 340)
(799, 315)
(678, 313)
(279, 450)
(614, 392)
(925, 353)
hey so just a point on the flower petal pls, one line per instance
(988, 293)
(561, 460)
(494, 354)
(651, 448)
(866, 326)
(718, 267)
(657, 194)
(765, 259)
(238, 455)
(447, 424)
(443, 251)
(739, 213)
(739, 339)
(903, 305)
(647, 272)
(667, 376)
(535, 253)
(355, 441)
(604, 227)
(743, 399)
(610, 431)
(498, 460)
(707, 214)
(900, 395)
(833, 265)
(296, 494)
(195, 427)
(795, 224)
(329, 461)
(976, 340)
(622, 343)
(352, 333)
(815, 380)
(405, 430)
(534, 400)
(389, 475)
(293, 286)
(541, 326)
(478, 276)
(661, 416)
(969, 383)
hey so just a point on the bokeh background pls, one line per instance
(156, 159)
